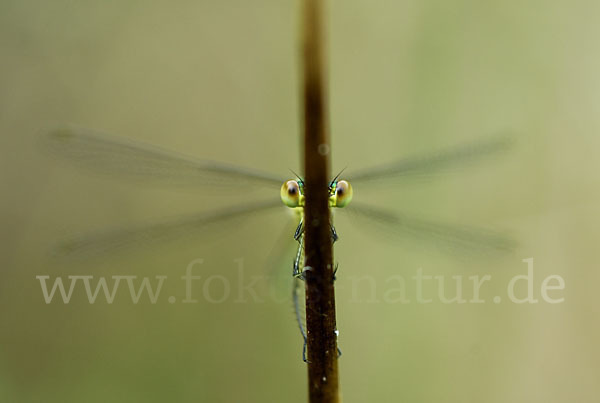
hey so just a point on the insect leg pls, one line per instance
(297, 273)
(334, 234)
(298, 232)
(295, 289)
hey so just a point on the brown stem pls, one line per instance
(320, 296)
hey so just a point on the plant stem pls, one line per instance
(320, 295)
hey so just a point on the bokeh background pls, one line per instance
(220, 81)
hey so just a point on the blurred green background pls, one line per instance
(220, 80)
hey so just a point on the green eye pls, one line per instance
(290, 194)
(343, 194)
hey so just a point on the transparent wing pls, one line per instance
(115, 240)
(435, 162)
(121, 157)
(280, 262)
(449, 237)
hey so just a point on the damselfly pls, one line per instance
(127, 158)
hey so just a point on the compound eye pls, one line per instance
(290, 193)
(343, 194)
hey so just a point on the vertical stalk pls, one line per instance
(320, 297)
